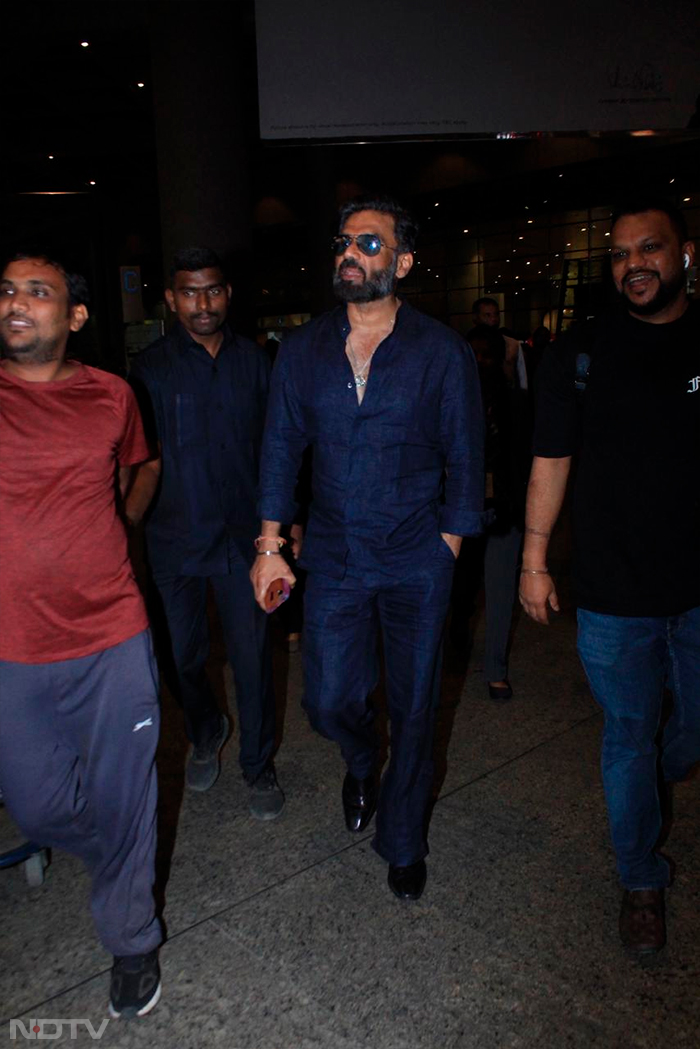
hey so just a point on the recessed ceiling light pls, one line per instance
(92, 182)
(51, 157)
(140, 84)
(84, 43)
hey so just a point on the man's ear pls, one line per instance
(404, 264)
(170, 299)
(78, 316)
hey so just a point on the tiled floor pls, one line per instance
(285, 936)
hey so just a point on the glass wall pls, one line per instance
(542, 268)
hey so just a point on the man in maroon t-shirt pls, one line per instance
(79, 713)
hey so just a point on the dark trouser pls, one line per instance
(77, 770)
(628, 661)
(244, 627)
(500, 574)
(341, 621)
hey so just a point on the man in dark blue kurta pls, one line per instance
(204, 391)
(397, 481)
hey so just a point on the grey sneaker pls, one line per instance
(266, 798)
(204, 765)
(135, 985)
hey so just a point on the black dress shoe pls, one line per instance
(408, 882)
(359, 801)
(500, 692)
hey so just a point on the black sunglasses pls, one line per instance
(368, 243)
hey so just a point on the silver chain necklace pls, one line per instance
(357, 371)
(359, 378)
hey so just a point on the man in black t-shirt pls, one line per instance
(634, 422)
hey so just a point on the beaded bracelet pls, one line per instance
(270, 539)
(534, 571)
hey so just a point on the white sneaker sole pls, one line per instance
(150, 1004)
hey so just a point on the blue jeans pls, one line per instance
(629, 661)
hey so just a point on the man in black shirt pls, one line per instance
(204, 390)
(635, 423)
(508, 414)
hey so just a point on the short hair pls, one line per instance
(405, 226)
(486, 301)
(76, 285)
(192, 259)
(637, 205)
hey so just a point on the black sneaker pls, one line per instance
(135, 986)
(266, 798)
(203, 767)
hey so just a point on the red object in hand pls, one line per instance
(277, 593)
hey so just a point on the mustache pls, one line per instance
(351, 264)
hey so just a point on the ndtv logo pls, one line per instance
(49, 1030)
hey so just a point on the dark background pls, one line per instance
(139, 171)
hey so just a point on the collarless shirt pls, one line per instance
(207, 413)
(636, 432)
(391, 473)
(67, 589)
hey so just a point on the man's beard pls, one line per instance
(379, 286)
(666, 292)
(38, 351)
